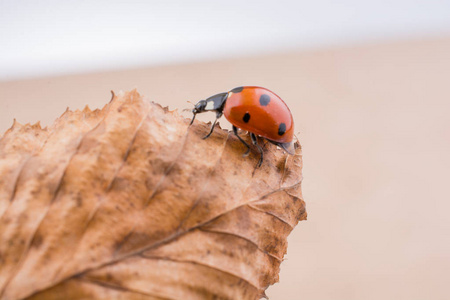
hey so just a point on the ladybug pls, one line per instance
(256, 110)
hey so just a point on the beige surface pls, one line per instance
(374, 124)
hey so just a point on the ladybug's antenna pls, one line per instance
(188, 109)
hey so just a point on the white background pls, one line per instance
(42, 38)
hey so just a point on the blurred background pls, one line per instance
(368, 83)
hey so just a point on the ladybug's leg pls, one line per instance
(211, 131)
(193, 118)
(218, 115)
(255, 142)
(235, 130)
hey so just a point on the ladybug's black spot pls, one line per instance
(237, 90)
(246, 117)
(281, 129)
(264, 99)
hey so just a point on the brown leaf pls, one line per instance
(128, 202)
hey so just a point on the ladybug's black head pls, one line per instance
(199, 108)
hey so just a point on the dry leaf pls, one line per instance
(128, 202)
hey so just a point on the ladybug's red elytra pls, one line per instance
(256, 110)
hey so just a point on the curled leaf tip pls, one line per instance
(15, 124)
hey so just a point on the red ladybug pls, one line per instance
(256, 110)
